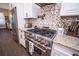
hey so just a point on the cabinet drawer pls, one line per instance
(59, 53)
(62, 50)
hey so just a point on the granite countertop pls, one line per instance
(69, 41)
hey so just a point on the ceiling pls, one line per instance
(4, 5)
(44, 4)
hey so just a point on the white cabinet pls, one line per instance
(61, 50)
(22, 38)
(21, 22)
(20, 15)
(31, 10)
(69, 9)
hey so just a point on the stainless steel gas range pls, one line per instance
(41, 41)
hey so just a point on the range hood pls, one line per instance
(43, 4)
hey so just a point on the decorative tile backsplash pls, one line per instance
(52, 17)
(68, 20)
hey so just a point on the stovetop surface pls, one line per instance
(46, 33)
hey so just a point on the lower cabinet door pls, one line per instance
(31, 48)
(58, 53)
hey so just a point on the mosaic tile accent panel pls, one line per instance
(67, 20)
(51, 16)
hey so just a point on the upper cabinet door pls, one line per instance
(36, 10)
(31, 10)
(69, 9)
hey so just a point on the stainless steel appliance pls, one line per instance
(40, 52)
(42, 40)
(15, 24)
(46, 33)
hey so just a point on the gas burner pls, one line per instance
(46, 33)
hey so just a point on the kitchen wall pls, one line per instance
(51, 18)
(71, 18)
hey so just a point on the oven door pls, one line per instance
(39, 52)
